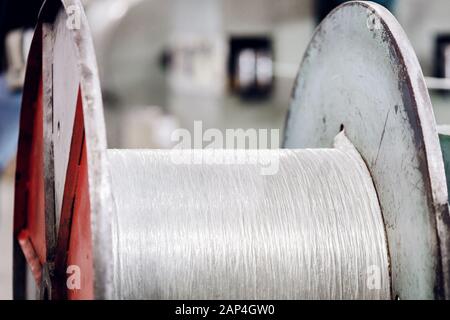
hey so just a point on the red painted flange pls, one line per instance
(56, 241)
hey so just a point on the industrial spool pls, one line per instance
(366, 80)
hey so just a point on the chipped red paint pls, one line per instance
(34, 212)
(29, 210)
(80, 245)
(74, 245)
(74, 238)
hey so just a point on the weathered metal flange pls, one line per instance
(361, 72)
(62, 148)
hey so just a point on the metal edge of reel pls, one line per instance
(361, 72)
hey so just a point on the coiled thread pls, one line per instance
(313, 230)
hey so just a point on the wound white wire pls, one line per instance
(313, 230)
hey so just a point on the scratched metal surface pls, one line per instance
(70, 64)
(360, 71)
(95, 135)
(66, 80)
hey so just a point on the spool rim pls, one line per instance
(88, 108)
(386, 129)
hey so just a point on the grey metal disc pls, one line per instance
(361, 72)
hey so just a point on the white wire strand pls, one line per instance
(314, 230)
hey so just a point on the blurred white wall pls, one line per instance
(196, 32)
(129, 36)
(421, 21)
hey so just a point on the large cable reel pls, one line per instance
(359, 75)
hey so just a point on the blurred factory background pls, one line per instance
(230, 63)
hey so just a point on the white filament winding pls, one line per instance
(314, 230)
